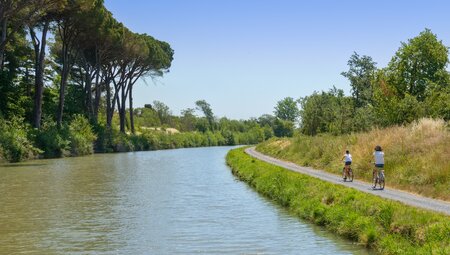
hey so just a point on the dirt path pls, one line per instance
(398, 195)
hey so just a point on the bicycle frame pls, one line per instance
(378, 177)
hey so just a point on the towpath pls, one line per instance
(393, 194)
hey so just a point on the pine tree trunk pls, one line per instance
(39, 50)
(3, 42)
(131, 110)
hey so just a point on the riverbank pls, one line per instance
(417, 155)
(20, 142)
(385, 226)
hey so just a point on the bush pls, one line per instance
(105, 138)
(14, 143)
(140, 142)
(81, 136)
(51, 140)
(122, 143)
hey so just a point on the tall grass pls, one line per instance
(386, 226)
(417, 156)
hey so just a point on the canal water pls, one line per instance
(183, 201)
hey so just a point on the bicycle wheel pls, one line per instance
(344, 176)
(382, 182)
(375, 181)
(350, 174)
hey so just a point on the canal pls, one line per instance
(183, 201)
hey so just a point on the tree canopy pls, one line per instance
(415, 84)
(287, 109)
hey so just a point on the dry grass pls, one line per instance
(417, 156)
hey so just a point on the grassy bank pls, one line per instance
(386, 226)
(417, 155)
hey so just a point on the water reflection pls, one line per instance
(166, 202)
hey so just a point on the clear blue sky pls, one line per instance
(242, 56)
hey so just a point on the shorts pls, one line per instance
(348, 163)
(379, 165)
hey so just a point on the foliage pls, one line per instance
(287, 109)
(81, 136)
(360, 75)
(53, 141)
(326, 112)
(205, 107)
(386, 226)
(163, 112)
(417, 63)
(414, 85)
(283, 128)
(437, 103)
(14, 142)
(95, 61)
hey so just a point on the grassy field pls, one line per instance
(385, 226)
(417, 156)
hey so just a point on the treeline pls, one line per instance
(159, 115)
(63, 61)
(93, 65)
(67, 72)
(415, 84)
(156, 128)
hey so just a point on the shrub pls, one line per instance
(81, 136)
(140, 142)
(14, 143)
(51, 140)
(122, 143)
(105, 137)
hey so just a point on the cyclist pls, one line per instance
(348, 161)
(379, 159)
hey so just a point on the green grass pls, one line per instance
(417, 156)
(385, 226)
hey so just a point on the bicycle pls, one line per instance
(378, 178)
(347, 174)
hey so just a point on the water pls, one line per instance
(183, 201)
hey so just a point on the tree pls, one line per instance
(154, 61)
(14, 14)
(163, 111)
(326, 112)
(266, 120)
(207, 111)
(42, 23)
(283, 128)
(360, 75)
(15, 79)
(67, 35)
(287, 109)
(423, 59)
(39, 55)
(91, 47)
(188, 119)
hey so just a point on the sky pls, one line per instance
(243, 56)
